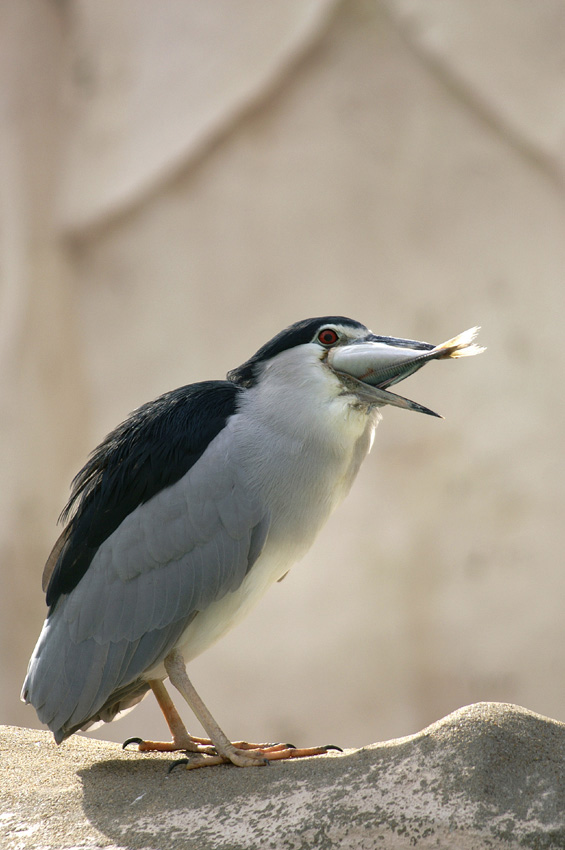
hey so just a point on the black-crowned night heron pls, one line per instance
(190, 509)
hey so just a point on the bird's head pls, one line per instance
(349, 357)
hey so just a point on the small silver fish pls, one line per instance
(379, 362)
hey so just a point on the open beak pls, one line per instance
(369, 365)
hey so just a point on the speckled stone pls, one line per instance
(487, 776)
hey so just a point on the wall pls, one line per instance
(181, 183)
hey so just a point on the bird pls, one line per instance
(190, 509)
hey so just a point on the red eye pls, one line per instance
(328, 336)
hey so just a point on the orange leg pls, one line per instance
(182, 739)
(216, 749)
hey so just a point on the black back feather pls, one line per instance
(149, 451)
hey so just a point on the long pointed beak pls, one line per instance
(369, 365)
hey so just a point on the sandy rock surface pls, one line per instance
(489, 775)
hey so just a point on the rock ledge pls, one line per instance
(487, 776)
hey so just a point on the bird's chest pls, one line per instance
(303, 464)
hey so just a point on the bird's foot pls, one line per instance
(184, 743)
(243, 754)
(191, 744)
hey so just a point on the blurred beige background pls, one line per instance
(179, 181)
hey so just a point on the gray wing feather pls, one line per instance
(170, 558)
(258, 539)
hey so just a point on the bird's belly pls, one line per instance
(210, 625)
(288, 541)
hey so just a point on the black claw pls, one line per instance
(176, 764)
(132, 741)
(333, 747)
(290, 746)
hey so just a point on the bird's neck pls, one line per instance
(302, 452)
